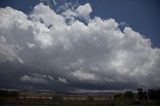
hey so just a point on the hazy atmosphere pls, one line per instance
(79, 45)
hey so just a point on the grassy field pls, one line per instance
(142, 98)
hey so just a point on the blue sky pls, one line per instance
(142, 15)
(79, 45)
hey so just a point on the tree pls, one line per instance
(141, 93)
(154, 94)
(129, 95)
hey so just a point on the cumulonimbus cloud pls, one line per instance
(95, 53)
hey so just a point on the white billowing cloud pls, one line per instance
(97, 52)
(83, 75)
(63, 80)
(30, 45)
(13, 25)
(84, 10)
(42, 36)
(46, 15)
(70, 15)
(32, 79)
(7, 52)
(37, 78)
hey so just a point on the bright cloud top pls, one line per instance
(96, 53)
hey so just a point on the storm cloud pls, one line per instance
(70, 50)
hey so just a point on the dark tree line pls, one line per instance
(5, 93)
(151, 94)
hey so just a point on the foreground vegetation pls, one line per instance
(150, 97)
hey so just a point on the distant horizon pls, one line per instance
(77, 91)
